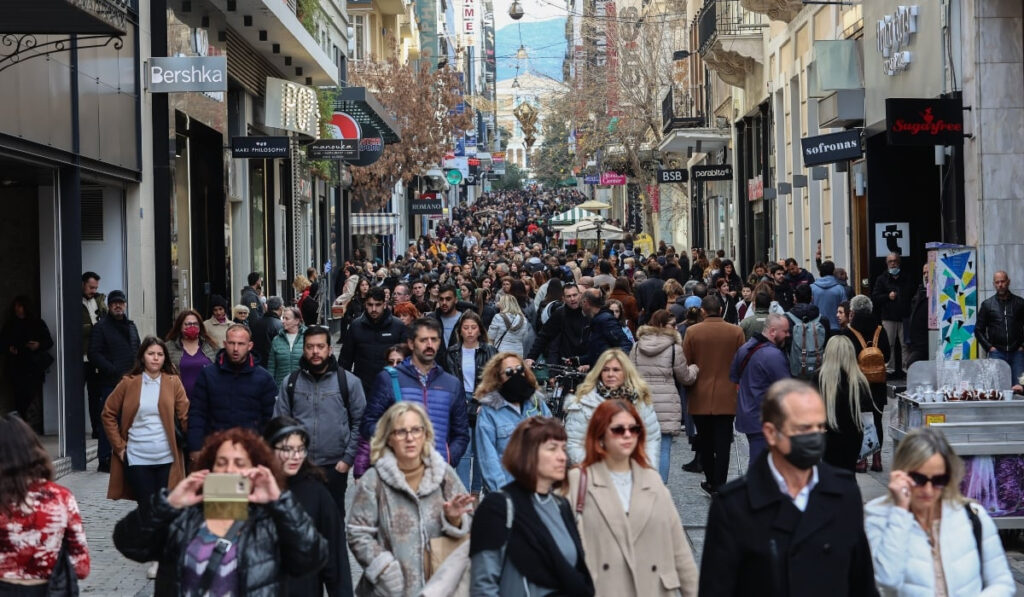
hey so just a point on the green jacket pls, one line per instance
(101, 310)
(282, 360)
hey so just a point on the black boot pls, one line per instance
(694, 465)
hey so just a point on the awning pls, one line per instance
(55, 17)
(378, 223)
(571, 217)
(589, 230)
(361, 105)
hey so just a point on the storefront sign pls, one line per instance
(592, 179)
(670, 175)
(892, 237)
(259, 147)
(292, 107)
(894, 33)
(371, 147)
(613, 179)
(453, 176)
(188, 73)
(334, 149)
(716, 172)
(831, 148)
(755, 188)
(498, 161)
(912, 121)
(426, 204)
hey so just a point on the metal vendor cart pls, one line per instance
(988, 433)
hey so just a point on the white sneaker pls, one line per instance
(151, 571)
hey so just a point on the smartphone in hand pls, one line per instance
(226, 496)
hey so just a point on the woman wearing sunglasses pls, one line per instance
(612, 376)
(632, 536)
(508, 394)
(926, 537)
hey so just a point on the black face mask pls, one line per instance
(517, 389)
(805, 450)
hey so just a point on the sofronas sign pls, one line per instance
(831, 148)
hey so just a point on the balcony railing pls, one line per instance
(719, 18)
(681, 109)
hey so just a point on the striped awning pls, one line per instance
(571, 217)
(378, 223)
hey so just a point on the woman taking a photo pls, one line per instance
(926, 537)
(189, 348)
(37, 518)
(658, 356)
(409, 496)
(524, 541)
(508, 394)
(621, 491)
(612, 376)
(307, 482)
(847, 394)
(286, 347)
(509, 328)
(275, 541)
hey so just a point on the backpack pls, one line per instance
(871, 360)
(342, 386)
(807, 346)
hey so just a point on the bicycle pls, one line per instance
(560, 387)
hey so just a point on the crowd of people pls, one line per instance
(434, 399)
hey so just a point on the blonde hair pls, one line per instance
(386, 424)
(840, 358)
(921, 444)
(509, 304)
(632, 380)
(301, 283)
(239, 309)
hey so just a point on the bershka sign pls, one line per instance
(259, 147)
(715, 172)
(913, 121)
(187, 73)
(831, 148)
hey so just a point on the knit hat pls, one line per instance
(692, 301)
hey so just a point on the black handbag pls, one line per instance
(63, 580)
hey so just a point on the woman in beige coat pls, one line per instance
(632, 536)
(658, 356)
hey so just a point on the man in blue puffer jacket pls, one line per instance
(422, 380)
(828, 293)
(605, 330)
(232, 392)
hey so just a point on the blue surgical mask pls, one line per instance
(894, 271)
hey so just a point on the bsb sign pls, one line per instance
(831, 148)
(912, 121)
(667, 176)
(188, 73)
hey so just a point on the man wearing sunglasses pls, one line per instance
(793, 525)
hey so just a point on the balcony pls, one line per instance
(776, 10)
(730, 39)
(686, 127)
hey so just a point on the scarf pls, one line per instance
(621, 392)
(529, 546)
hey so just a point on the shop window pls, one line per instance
(359, 22)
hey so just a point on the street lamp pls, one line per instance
(521, 53)
(515, 11)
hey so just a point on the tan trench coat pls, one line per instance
(644, 554)
(711, 345)
(123, 402)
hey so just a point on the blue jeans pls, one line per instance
(757, 445)
(664, 460)
(691, 429)
(103, 444)
(468, 468)
(1014, 359)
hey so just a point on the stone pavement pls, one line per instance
(116, 576)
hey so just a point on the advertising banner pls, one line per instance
(609, 179)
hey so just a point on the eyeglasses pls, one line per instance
(510, 371)
(413, 432)
(938, 481)
(191, 325)
(291, 452)
(622, 429)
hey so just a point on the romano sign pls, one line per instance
(715, 172)
(187, 73)
(831, 148)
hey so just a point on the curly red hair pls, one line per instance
(257, 449)
(406, 308)
(601, 420)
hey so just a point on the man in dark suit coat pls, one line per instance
(793, 525)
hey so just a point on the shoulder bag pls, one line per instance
(439, 548)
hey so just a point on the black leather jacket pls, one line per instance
(277, 541)
(1001, 323)
(453, 361)
(562, 337)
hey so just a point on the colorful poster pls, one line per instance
(957, 302)
(995, 482)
